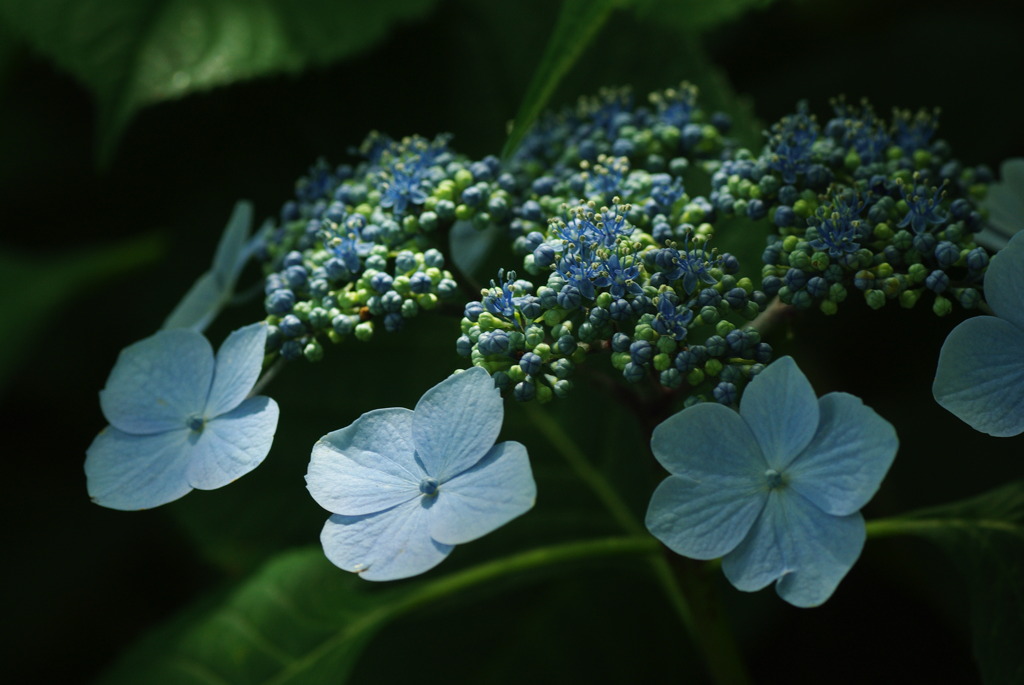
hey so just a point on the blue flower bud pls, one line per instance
(280, 302)
(795, 279)
(292, 326)
(391, 301)
(447, 288)
(716, 346)
(725, 393)
(292, 349)
(937, 281)
(817, 287)
(433, 258)
(737, 298)
(641, 352)
(420, 283)
(493, 342)
(382, 282)
(405, 261)
(634, 373)
(566, 344)
(544, 255)
(946, 253)
(737, 341)
(463, 346)
(977, 259)
(620, 310)
(756, 209)
(525, 391)
(473, 310)
(569, 297)
(393, 322)
(530, 363)
(293, 258)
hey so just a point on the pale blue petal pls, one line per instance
(703, 520)
(232, 249)
(159, 382)
(1005, 204)
(368, 466)
(456, 423)
(496, 490)
(239, 362)
(233, 444)
(1004, 282)
(848, 457)
(980, 376)
(201, 303)
(794, 542)
(130, 472)
(386, 545)
(781, 409)
(709, 441)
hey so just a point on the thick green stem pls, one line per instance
(713, 637)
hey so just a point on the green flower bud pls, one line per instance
(313, 351)
(942, 306)
(364, 331)
(874, 298)
(712, 367)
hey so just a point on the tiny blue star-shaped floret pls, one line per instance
(406, 486)
(180, 419)
(775, 489)
(980, 374)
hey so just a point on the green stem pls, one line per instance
(891, 527)
(456, 583)
(572, 454)
(714, 639)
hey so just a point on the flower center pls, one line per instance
(195, 423)
(428, 486)
(774, 478)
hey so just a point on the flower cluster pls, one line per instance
(860, 205)
(659, 309)
(356, 248)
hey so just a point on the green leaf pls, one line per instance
(299, 619)
(33, 287)
(302, 620)
(132, 53)
(984, 536)
(577, 25)
(694, 15)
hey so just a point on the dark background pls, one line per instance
(80, 582)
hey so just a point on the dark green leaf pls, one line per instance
(694, 15)
(299, 619)
(32, 287)
(578, 23)
(132, 53)
(984, 536)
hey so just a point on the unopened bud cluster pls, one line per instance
(860, 205)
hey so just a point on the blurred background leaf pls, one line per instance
(33, 287)
(984, 538)
(133, 53)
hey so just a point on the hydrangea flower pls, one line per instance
(406, 486)
(1005, 205)
(775, 489)
(180, 419)
(980, 376)
(213, 289)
